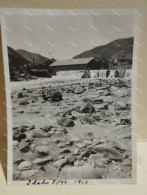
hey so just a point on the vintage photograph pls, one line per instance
(69, 74)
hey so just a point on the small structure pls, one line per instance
(74, 64)
(122, 61)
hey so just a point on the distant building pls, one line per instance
(122, 61)
(74, 64)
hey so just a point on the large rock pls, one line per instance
(98, 159)
(56, 96)
(25, 165)
(89, 136)
(80, 172)
(23, 146)
(56, 140)
(95, 157)
(88, 108)
(65, 122)
(79, 90)
(98, 101)
(22, 94)
(38, 134)
(120, 106)
(17, 136)
(60, 163)
(42, 150)
(23, 102)
(29, 173)
(62, 145)
(126, 162)
(79, 163)
(65, 151)
(76, 151)
(125, 121)
(109, 145)
(71, 160)
(42, 161)
(88, 142)
(82, 145)
(74, 139)
(15, 143)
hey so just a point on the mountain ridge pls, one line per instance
(119, 48)
(39, 59)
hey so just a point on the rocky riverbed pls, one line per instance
(72, 129)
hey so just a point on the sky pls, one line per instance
(64, 36)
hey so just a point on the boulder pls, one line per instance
(82, 145)
(16, 175)
(15, 143)
(76, 151)
(79, 163)
(71, 160)
(62, 145)
(23, 102)
(126, 162)
(89, 136)
(80, 172)
(65, 151)
(29, 173)
(38, 134)
(17, 136)
(25, 165)
(42, 161)
(22, 94)
(60, 157)
(95, 157)
(42, 150)
(18, 161)
(56, 96)
(65, 122)
(47, 128)
(120, 106)
(56, 140)
(23, 146)
(60, 163)
(125, 121)
(79, 90)
(86, 74)
(74, 139)
(115, 155)
(88, 142)
(87, 108)
(98, 101)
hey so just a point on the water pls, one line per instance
(68, 75)
(94, 74)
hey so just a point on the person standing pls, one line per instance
(107, 73)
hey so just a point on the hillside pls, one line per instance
(39, 59)
(22, 68)
(120, 48)
(18, 65)
(46, 64)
